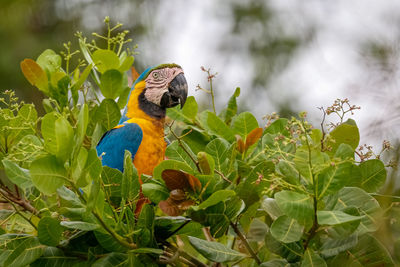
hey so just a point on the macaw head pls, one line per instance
(155, 90)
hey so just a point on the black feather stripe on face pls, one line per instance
(150, 108)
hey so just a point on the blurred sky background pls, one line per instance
(287, 56)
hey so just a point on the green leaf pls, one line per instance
(275, 263)
(219, 149)
(54, 257)
(286, 230)
(78, 164)
(25, 250)
(92, 169)
(373, 175)
(216, 197)
(112, 259)
(244, 123)
(366, 204)
(176, 152)
(278, 127)
(108, 114)
(77, 85)
(333, 217)
(215, 251)
(332, 179)
(270, 206)
(312, 259)
(332, 247)
(58, 135)
(49, 231)
(108, 242)
(130, 186)
(288, 171)
(17, 175)
(155, 192)
(111, 83)
(217, 127)
(148, 251)
(344, 151)
(49, 61)
(369, 252)
(81, 126)
(231, 109)
(187, 113)
(105, 60)
(346, 133)
(112, 179)
(296, 205)
(84, 226)
(48, 174)
(126, 64)
(292, 252)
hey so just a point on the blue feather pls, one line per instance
(114, 143)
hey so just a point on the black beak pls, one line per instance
(177, 92)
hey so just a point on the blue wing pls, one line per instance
(113, 144)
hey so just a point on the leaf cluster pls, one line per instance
(229, 192)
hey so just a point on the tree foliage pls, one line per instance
(229, 191)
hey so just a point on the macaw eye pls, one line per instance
(156, 75)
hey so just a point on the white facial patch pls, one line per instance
(158, 81)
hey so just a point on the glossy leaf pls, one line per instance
(215, 251)
(155, 192)
(84, 226)
(17, 175)
(328, 217)
(23, 250)
(49, 231)
(373, 175)
(108, 114)
(48, 174)
(296, 205)
(111, 83)
(346, 133)
(368, 206)
(312, 259)
(244, 123)
(333, 247)
(231, 109)
(332, 179)
(105, 60)
(49, 61)
(216, 197)
(368, 252)
(216, 126)
(286, 229)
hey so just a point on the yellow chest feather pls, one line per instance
(152, 148)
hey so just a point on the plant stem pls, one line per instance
(184, 148)
(187, 257)
(17, 211)
(315, 225)
(115, 235)
(247, 245)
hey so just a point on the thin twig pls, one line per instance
(183, 147)
(222, 176)
(189, 258)
(17, 211)
(246, 244)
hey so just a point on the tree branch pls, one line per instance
(247, 245)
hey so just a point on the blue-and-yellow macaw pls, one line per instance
(141, 128)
